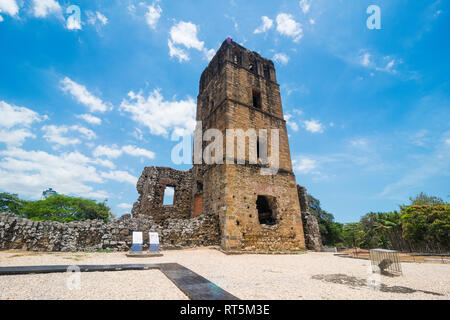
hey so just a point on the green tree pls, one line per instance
(427, 225)
(424, 199)
(66, 209)
(352, 235)
(11, 203)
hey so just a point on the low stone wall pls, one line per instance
(24, 234)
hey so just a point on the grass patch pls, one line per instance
(100, 251)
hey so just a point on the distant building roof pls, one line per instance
(48, 193)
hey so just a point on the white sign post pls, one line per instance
(154, 241)
(137, 242)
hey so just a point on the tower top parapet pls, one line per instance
(235, 54)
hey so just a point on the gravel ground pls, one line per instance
(148, 285)
(303, 276)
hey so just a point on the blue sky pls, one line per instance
(85, 106)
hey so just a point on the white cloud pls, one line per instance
(138, 134)
(287, 26)
(125, 206)
(305, 5)
(235, 24)
(120, 176)
(185, 34)
(447, 142)
(159, 115)
(313, 126)
(9, 7)
(57, 134)
(1, 19)
(170, 191)
(93, 18)
(90, 118)
(12, 115)
(420, 138)
(361, 144)
(390, 65)
(153, 14)
(28, 173)
(290, 122)
(15, 138)
(110, 152)
(304, 165)
(115, 152)
(177, 52)
(209, 54)
(365, 60)
(82, 95)
(15, 122)
(42, 8)
(312, 21)
(103, 20)
(138, 152)
(375, 62)
(281, 58)
(87, 133)
(267, 24)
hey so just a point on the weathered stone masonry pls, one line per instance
(24, 234)
(231, 205)
(255, 213)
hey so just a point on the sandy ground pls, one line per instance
(303, 276)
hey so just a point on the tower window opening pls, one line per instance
(169, 196)
(257, 148)
(256, 99)
(266, 73)
(266, 211)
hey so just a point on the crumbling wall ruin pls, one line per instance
(313, 240)
(24, 234)
(151, 186)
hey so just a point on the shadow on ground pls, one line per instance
(356, 282)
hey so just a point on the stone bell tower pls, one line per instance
(257, 212)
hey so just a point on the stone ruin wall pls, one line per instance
(243, 230)
(313, 239)
(24, 234)
(151, 186)
(173, 223)
(176, 227)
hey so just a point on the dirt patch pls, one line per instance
(362, 283)
(404, 256)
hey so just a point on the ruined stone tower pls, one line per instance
(252, 211)
(238, 90)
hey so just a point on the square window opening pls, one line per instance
(169, 196)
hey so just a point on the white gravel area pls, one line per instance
(285, 277)
(120, 285)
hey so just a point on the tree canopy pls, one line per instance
(421, 225)
(56, 208)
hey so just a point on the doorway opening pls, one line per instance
(266, 210)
